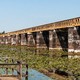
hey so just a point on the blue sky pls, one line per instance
(20, 14)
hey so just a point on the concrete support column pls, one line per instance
(8, 39)
(62, 39)
(31, 39)
(71, 40)
(24, 39)
(42, 39)
(76, 34)
(4, 40)
(74, 39)
(0, 40)
(13, 39)
(58, 39)
(54, 42)
(18, 39)
(53, 39)
(38, 39)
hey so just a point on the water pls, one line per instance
(32, 75)
(35, 75)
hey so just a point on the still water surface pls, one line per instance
(32, 75)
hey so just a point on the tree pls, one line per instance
(3, 32)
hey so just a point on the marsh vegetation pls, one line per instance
(52, 61)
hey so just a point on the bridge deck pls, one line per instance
(51, 26)
(8, 78)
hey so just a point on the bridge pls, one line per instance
(63, 35)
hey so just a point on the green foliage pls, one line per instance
(44, 59)
(2, 32)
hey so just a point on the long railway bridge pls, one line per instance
(63, 35)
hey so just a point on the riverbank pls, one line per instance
(54, 75)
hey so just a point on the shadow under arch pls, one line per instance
(62, 35)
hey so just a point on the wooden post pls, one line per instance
(19, 70)
(6, 61)
(26, 77)
(12, 68)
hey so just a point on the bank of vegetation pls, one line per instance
(52, 61)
